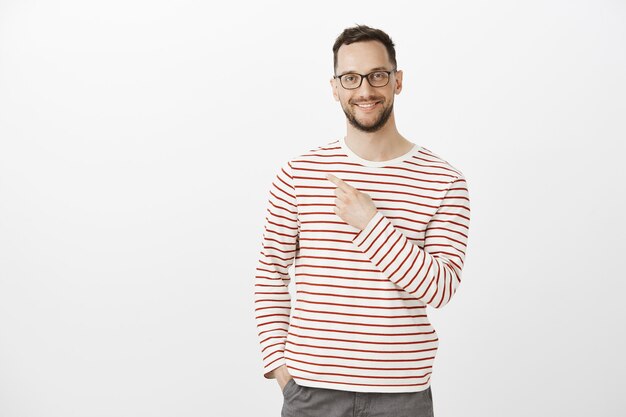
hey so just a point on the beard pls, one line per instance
(378, 123)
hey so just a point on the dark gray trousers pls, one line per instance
(301, 401)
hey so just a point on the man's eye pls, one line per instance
(349, 78)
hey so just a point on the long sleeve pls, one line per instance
(279, 246)
(432, 273)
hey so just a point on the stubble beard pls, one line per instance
(377, 125)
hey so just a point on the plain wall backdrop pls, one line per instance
(138, 140)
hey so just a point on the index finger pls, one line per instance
(339, 182)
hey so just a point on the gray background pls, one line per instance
(138, 140)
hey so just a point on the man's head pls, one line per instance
(362, 50)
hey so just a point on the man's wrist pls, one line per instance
(281, 374)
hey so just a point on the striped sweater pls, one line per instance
(359, 319)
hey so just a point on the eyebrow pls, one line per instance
(354, 71)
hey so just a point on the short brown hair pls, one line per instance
(361, 33)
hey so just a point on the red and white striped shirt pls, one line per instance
(359, 319)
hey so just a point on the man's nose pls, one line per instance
(365, 88)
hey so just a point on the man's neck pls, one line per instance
(382, 145)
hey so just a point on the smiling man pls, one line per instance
(377, 228)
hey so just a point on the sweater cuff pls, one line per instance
(365, 234)
(268, 368)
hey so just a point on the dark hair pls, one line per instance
(361, 33)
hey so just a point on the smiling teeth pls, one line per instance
(366, 105)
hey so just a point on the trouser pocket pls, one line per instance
(289, 386)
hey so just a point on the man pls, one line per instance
(377, 227)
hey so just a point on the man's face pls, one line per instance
(367, 108)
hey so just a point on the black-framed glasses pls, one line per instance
(352, 80)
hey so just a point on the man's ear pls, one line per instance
(398, 81)
(333, 85)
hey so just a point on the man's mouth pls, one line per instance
(367, 105)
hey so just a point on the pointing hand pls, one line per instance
(353, 206)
